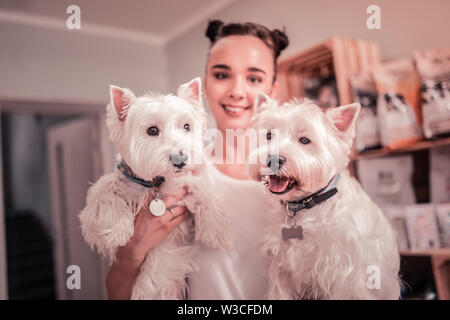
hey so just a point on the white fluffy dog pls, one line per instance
(160, 140)
(327, 239)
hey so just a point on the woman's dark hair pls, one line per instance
(276, 40)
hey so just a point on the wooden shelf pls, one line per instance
(440, 261)
(427, 252)
(338, 56)
(384, 152)
(440, 258)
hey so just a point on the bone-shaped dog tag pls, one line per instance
(292, 233)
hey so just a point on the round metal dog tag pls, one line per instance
(157, 207)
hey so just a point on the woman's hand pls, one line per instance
(149, 231)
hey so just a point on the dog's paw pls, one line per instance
(211, 226)
(214, 232)
(118, 234)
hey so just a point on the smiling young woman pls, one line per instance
(241, 64)
(239, 67)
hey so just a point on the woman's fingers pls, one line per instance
(171, 200)
(161, 221)
(173, 213)
(164, 231)
(172, 224)
(150, 230)
(168, 200)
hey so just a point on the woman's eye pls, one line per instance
(254, 79)
(221, 75)
(187, 127)
(304, 140)
(269, 135)
(153, 131)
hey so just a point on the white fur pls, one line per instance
(113, 202)
(344, 235)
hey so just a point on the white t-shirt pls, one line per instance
(241, 272)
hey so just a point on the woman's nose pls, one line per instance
(237, 90)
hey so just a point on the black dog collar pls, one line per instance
(131, 176)
(310, 201)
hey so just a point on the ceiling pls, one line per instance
(164, 19)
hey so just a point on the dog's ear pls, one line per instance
(344, 118)
(121, 99)
(264, 102)
(191, 91)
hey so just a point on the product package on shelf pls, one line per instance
(388, 181)
(398, 104)
(440, 174)
(396, 216)
(321, 90)
(433, 67)
(367, 134)
(422, 227)
(443, 214)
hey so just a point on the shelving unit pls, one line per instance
(337, 56)
(420, 145)
(420, 152)
(440, 258)
(342, 57)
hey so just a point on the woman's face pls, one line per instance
(239, 67)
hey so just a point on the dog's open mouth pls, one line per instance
(280, 184)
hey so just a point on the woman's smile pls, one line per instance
(235, 111)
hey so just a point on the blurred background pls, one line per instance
(394, 60)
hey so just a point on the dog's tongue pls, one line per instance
(278, 184)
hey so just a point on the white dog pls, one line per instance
(160, 141)
(327, 239)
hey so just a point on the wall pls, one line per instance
(52, 65)
(43, 64)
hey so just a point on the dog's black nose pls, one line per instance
(178, 159)
(276, 160)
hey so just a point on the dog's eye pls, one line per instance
(153, 131)
(304, 140)
(269, 135)
(187, 127)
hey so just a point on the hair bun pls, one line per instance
(213, 29)
(281, 40)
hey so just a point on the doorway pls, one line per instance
(50, 154)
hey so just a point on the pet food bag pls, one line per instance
(396, 216)
(367, 129)
(422, 227)
(398, 105)
(440, 174)
(388, 181)
(321, 90)
(433, 67)
(443, 214)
